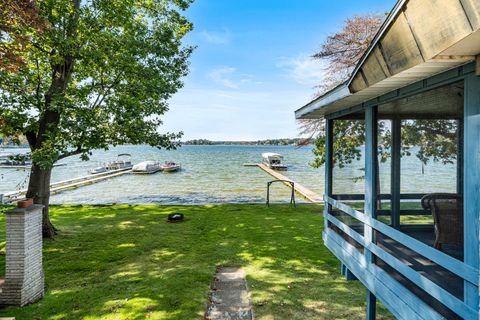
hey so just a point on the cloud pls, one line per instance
(228, 77)
(219, 75)
(215, 37)
(241, 114)
(303, 69)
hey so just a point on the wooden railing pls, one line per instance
(457, 267)
(387, 212)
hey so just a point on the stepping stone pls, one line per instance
(229, 298)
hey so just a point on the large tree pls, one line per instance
(98, 73)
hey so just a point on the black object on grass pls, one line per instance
(175, 217)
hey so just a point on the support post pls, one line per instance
(371, 150)
(328, 165)
(471, 183)
(460, 156)
(371, 146)
(395, 172)
(371, 306)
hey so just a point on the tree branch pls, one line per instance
(71, 153)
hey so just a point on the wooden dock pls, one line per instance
(60, 186)
(301, 190)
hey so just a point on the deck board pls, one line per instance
(425, 267)
(303, 191)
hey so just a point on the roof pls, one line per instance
(271, 155)
(418, 40)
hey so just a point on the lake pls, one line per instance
(215, 174)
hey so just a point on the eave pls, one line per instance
(410, 46)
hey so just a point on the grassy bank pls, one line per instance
(126, 262)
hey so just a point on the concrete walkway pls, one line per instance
(229, 298)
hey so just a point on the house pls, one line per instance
(424, 63)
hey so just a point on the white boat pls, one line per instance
(273, 161)
(113, 165)
(98, 170)
(147, 167)
(120, 164)
(170, 166)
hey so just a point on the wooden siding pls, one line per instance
(472, 8)
(400, 50)
(437, 24)
(420, 33)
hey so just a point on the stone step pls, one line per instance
(238, 298)
(229, 298)
(233, 285)
(216, 312)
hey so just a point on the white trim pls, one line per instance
(336, 94)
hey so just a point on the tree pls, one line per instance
(99, 73)
(342, 50)
(17, 19)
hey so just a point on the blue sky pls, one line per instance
(252, 65)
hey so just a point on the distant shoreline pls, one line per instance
(299, 143)
(267, 142)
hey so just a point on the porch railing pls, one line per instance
(457, 267)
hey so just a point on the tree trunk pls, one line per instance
(39, 190)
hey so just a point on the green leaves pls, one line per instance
(100, 74)
(433, 140)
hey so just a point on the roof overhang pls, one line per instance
(418, 40)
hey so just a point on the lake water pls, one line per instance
(215, 174)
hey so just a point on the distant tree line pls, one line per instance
(269, 142)
(13, 141)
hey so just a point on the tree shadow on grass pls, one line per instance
(127, 262)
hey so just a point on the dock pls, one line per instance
(301, 190)
(64, 185)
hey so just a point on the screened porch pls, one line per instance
(400, 227)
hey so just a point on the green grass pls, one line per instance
(126, 262)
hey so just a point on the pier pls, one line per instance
(301, 190)
(60, 186)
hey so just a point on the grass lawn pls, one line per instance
(126, 262)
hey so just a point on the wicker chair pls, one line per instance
(447, 211)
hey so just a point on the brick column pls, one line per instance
(24, 279)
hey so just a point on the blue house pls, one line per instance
(424, 64)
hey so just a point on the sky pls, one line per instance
(252, 65)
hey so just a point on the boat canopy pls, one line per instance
(272, 156)
(144, 166)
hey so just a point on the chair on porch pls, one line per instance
(447, 211)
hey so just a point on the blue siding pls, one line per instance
(472, 182)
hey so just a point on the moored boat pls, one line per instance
(170, 166)
(98, 170)
(147, 167)
(273, 161)
(113, 165)
(16, 160)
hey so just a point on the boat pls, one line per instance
(113, 165)
(98, 170)
(273, 161)
(120, 164)
(147, 167)
(170, 166)
(16, 160)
